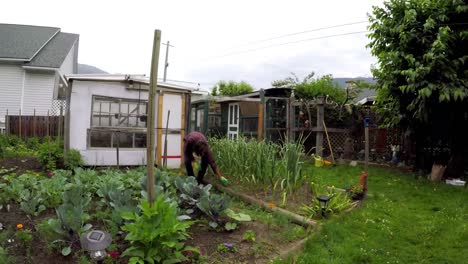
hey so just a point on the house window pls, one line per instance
(111, 122)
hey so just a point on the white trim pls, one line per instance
(13, 59)
(26, 67)
(47, 42)
(139, 78)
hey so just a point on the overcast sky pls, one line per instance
(214, 40)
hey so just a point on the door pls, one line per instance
(175, 103)
(233, 121)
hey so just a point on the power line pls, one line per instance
(287, 43)
(301, 32)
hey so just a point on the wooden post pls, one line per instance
(48, 125)
(66, 127)
(366, 138)
(151, 115)
(260, 122)
(59, 132)
(34, 123)
(291, 121)
(118, 148)
(319, 135)
(7, 122)
(262, 131)
(19, 124)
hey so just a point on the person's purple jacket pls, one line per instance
(191, 142)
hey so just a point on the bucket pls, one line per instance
(318, 160)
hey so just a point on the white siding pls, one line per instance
(11, 85)
(80, 114)
(68, 63)
(38, 92)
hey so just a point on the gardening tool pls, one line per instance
(318, 160)
(329, 143)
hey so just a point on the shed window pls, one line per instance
(118, 112)
(111, 120)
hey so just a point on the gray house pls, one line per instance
(33, 62)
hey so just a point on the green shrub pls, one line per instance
(73, 160)
(156, 234)
(50, 154)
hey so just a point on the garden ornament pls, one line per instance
(323, 199)
(96, 242)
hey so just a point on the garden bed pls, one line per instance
(255, 241)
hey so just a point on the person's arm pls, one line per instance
(212, 162)
(189, 150)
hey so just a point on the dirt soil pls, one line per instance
(39, 253)
(21, 165)
(268, 243)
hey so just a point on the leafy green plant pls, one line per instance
(214, 206)
(32, 203)
(227, 248)
(25, 237)
(339, 202)
(71, 220)
(4, 258)
(191, 192)
(73, 160)
(50, 154)
(155, 234)
(230, 226)
(53, 188)
(241, 217)
(249, 235)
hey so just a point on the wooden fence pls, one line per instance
(26, 126)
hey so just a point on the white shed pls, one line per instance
(109, 112)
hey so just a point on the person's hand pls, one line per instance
(224, 181)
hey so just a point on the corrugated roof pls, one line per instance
(55, 52)
(22, 41)
(138, 78)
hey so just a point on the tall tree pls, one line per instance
(421, 74)
(231, 88)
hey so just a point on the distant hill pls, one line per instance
(89, 69)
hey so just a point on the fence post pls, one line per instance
(319, 134)
(59, 132)
(48, 125)
(291, 120)
(19, 124)
(7, 123)
(34, 123)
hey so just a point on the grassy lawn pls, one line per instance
(405, 220)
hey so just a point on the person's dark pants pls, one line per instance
(201, 172)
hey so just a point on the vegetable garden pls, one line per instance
(45, 210)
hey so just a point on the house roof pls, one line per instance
(55, 52)
(137, 78)
(35, 45)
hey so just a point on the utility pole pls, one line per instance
(166, 64)
(151, 115)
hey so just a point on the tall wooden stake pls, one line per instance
(151, 115)
(320, 118)
(366, 138)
